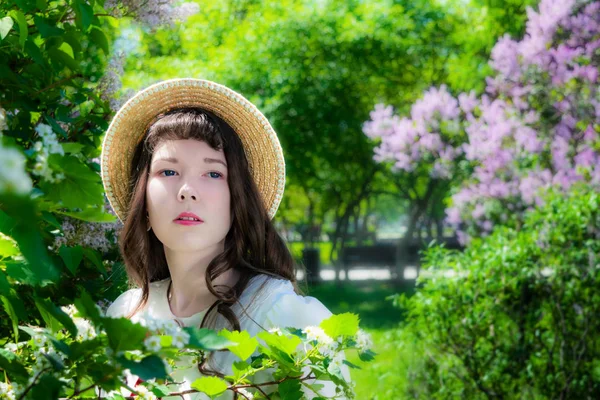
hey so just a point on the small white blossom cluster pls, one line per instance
(163, 327)
(13, 177)
(152, 13)
(6, 391)
(327, 346)
(48, 145)
(363, 340)
(85, 330)
(276, 331)
(3, 123)
(144, 393)
(42, 346)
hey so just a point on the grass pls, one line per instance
(378, 379)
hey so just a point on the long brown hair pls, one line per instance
(252, 245)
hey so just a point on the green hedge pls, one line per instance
(519, 317)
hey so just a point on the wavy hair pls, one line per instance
(252, 245)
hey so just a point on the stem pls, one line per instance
(22, 396)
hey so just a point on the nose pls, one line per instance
(187, 192)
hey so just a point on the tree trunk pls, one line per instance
(440, 228)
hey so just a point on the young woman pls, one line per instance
(196, 173)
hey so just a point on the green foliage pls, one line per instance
(514, 315)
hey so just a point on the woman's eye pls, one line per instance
(166, 171)
(218, 174)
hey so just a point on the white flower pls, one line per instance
(329, 349)
(144, 393)
(180, 339)
(3, 123)
(85, 330)
(246, 393)
(40, 341)
(276, 331)
(13, 178)
(70, 310)
(318, 334)
(152, 343)
(10, 346)
(6, 391)
(363, 340)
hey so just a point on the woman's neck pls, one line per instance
(189, 292)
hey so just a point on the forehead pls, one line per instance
(186, 149)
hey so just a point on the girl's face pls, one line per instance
(188, 176)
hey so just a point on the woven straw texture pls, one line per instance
(129, 125)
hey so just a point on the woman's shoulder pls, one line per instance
(124, 304)
(278, 305)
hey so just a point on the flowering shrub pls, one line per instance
(81, 351)
(536, 125)
(57, 233)
(517, 318)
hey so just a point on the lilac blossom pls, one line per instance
(534, 127)
(152, 13)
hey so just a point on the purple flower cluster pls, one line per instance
(423, 137)
(152, 13)
(99, 236)
(535, 126)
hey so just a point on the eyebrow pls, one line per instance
(207, 160)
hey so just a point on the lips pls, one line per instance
(186, 217)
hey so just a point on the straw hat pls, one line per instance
(130, 123)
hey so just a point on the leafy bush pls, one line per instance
(515, 314)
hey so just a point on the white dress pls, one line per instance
(268, 303)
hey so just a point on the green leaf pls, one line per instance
(72, 39)
(13, 316)
(55, 361)
(367, 355)
(6, 25)
(61, 58)
(11, 364)
(4, 285)
(42, 5)
(290, 390)
(81, 187)
(72, 147)
(51, 219)
(148, 368)
(211, 385)
(90, 214)
(8, 246)
(18, 219)
(93, 256)
(124, 334)
(341, 324)
(34, 51)
(72, 257)
(46, 27)
(23, 28)
(348, 363)
(98, 37)
(87, 308)
(84, 14)
(48, 388)
(55, 126)
(246, 345)
(55, 317)
(206, 339)
(161, 390)
(286, 344)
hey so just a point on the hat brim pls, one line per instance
(130, 123)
